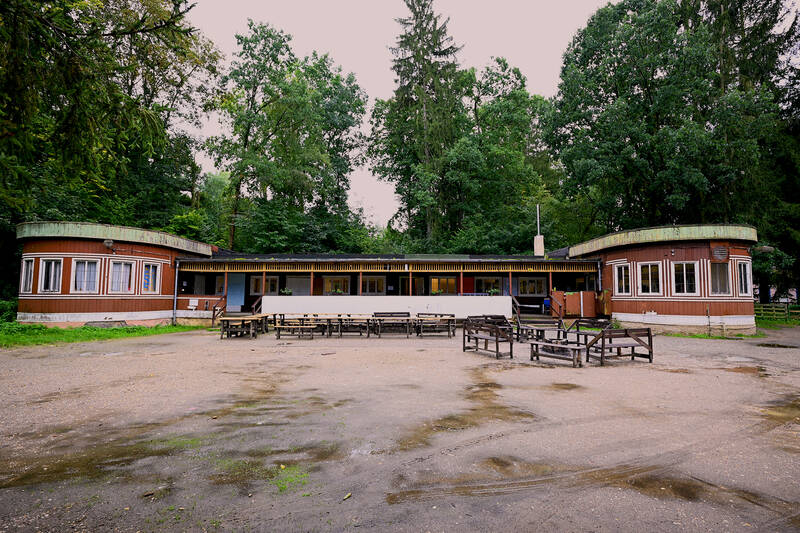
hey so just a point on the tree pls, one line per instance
(644, 128)
(289, 146)
(412, 131)
(88, 93)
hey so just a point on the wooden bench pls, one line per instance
(611, 340)
(555, 350)
(297, 330)
(399, 321)
(586, 329)
(537, 328)
(477, 330)
(435, 323)
(238, 326)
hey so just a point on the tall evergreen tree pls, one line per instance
(412, 131)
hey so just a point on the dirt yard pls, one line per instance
(188, 432)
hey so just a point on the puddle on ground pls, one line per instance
(786, 410)
(774, 345)
(759, 371)
(563, 386)
(675, 370)
(486, 406)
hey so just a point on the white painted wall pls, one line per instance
(461, 306)
(685, 320)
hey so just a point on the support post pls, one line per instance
(510, 291)
(461, 283)
(359, 282)
(263, 287)
(175, 295)
(311, 289)
(410, 280)
(550, 283)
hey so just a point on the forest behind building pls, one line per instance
(667, 112)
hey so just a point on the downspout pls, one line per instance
(175, 295)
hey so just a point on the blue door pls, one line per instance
(235, 292)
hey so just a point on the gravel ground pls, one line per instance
(190, 432)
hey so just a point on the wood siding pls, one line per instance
(101, 300)
(667, 302)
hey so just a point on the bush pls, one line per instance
(8, 310)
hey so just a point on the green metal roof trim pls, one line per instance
(694, 232)
(91, 230)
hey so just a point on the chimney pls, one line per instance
(538, 245)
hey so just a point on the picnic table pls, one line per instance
(399, 321)
(238, 326)
(537, 328)
(435, 323)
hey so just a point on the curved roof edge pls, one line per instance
(91, 230)
(691, 232)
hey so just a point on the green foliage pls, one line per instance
(91, 96)
(16, 334)
(8, 310)
(291, 129)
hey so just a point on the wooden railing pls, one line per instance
(556, 306)
(257, 305)
(218, 309)
(776, 311)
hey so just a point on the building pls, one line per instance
(693, 278)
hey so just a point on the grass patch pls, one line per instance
(289, 477)
(15, 334)
(767, 323)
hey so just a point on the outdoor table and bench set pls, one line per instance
(593, 337)
(547, 337)
(327, 325)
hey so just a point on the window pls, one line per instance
(720, 278)
(121, 277)
(532, 287)
(50, 277)
(373, 285)
(219, 285)
(255, 285)
(84, 275)
(271, 284)
(622, 273)
(150, 278)
(484, 285)
(649, 280)
(26, 283)
(685, 278)
(443, 285)
(337, 285)
(745, 286)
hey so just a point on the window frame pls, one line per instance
(696, 278)
(660, 266)
(42, 269)
(345, 288)
(22, 274)
(111, 264)
(367, 279)
(617, 292)
(748, 266)
(438, 278)
(73, 276)
(528, 280)
(159, 273)
(711, 279)
(498, 279)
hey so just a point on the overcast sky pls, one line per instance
(531, 34)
